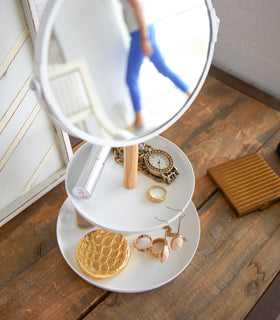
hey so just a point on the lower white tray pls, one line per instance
(143, 272)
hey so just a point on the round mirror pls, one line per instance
(100, 82)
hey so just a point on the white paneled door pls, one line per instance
(33, 153)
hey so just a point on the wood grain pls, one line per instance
(216, 129)
(48, 290)
(230, 262)
(24, 240)
(130, 167)
(244, 87)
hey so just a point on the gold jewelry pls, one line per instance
(159, 174)
(157, 246)
(160, 248)
(139, 239)
(102, 254)
(164, 253)
(156, 199)
(177, 240)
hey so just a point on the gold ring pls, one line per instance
(157, 246)
(156, 199)
(137, 243)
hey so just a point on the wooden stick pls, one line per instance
(82, 222)
(130, 166)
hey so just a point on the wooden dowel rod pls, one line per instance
(130, 166)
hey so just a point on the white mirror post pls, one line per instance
(82, 77)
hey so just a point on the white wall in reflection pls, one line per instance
(94, 30)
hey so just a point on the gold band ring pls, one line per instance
(157, 246)
(155, 198)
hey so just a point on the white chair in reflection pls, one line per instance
(75, 93)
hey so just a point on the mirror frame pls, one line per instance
(40, 82)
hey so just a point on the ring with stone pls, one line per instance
(143, 242)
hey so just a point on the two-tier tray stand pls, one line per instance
(130, 212)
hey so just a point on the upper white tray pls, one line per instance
(143, 272)
(118, 209)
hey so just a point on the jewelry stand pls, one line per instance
(116, 204)
(116, 208)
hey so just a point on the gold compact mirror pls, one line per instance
(95, 84)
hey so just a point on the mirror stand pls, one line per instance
(116, 204)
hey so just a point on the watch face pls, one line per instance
(158, 161)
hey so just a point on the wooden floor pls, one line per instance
(237, 258)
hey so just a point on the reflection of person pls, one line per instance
(143, 43)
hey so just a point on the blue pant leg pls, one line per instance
(158, 60)
(135, 60)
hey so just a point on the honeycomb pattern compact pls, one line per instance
(102, 254)
(248, 183)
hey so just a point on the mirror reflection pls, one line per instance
(126, 65)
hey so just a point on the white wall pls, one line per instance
(248, 44)
(90, 25)
(95, 36)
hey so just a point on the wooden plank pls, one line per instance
(229, 250)
(246, 88)
(28, 237)
(48, 290)
(259, 121)
(237, 299)
(268, 307)
(217, 101)
(217, 129)
(268, 152)
(220, 144)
